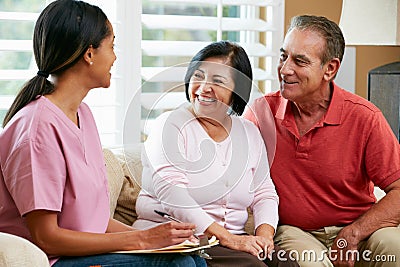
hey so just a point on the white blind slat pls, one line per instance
(171, 48)
(16, 45)
(180, 22)
(163, 74)
(177, 74)
(257, 50)
(22, 16)
(259, 3)
(9, 75)
(261, 75)
(238, 24)
(6, 101)
(190, 48)
(157, 101)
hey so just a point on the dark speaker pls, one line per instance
(384, 92)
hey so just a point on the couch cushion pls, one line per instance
(16, 251)
(249, 226)
(115, 177)
(130, 160)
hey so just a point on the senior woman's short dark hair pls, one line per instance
(237, 59)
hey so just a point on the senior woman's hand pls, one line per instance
(268, 232)
(259, 245)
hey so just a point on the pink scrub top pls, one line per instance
(48, 163)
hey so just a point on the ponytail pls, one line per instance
(37, 86)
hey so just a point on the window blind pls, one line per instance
(16, 66)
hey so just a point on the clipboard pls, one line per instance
(184, 247)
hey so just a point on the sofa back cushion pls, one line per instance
(130, 160)
(115, 177)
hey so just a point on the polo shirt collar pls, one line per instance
(333, 115)
(280, 114)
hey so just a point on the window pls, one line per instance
(153, 39)
(16, 28)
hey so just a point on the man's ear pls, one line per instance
(331, 68)
(88, 56)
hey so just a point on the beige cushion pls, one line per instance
(131, 163)
(249, 226)
(16, 252)
(115, 177)
(125, 211)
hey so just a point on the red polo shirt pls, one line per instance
(326, 177)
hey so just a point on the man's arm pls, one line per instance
(383, 214)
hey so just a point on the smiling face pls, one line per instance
(302, 76)
(103, 59)
(211, 87)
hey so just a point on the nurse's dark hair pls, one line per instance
(236, 58)
(63, 32)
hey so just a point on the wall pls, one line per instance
(367, 57)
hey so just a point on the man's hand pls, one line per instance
(344, 248)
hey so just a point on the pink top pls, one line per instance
(327, 176)
(198, 180)
(48, 163)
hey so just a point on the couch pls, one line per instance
(124, 171)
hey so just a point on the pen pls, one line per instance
(167, 216)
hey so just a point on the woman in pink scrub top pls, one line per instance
(53, 184)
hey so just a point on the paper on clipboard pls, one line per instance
(184, 247)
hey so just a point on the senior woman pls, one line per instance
(205, 165)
